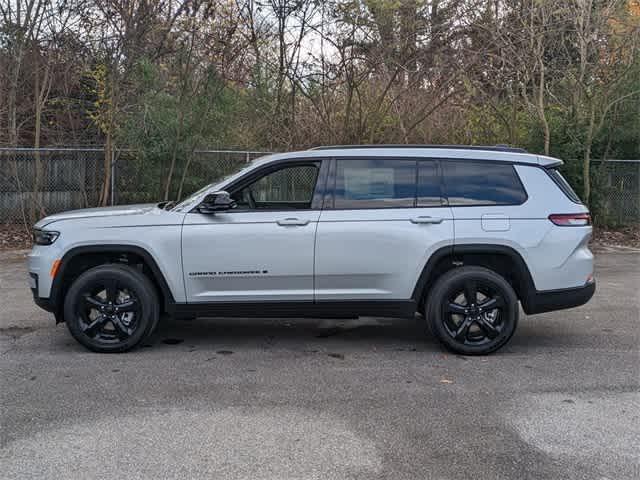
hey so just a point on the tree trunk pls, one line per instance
(41, 95)
(108, 156)
(586, 164)
(36, 144)
(184, 176)
(541, 109)
(174, 152)
(12, 107)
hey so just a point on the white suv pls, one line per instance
(459, 234)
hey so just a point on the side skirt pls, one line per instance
(298, 309)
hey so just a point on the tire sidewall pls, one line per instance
(132, 279)
(443, 286)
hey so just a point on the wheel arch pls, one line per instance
(110, 253)
(503, 259)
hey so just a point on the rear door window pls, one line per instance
(469, 183)
(429, 193)
(375, 183)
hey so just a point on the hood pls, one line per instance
(98, 212)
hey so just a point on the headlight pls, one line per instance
(45, 237)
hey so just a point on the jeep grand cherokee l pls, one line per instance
(463, 235)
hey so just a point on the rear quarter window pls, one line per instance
(468, 183)
(559, 180)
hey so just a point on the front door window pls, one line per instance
(284, 189)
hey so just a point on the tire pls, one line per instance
(478, 327)
(111, 308)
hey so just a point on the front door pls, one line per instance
(262, 250)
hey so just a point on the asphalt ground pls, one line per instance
(311, 399)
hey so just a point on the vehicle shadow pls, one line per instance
(366, 333)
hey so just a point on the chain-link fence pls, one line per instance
(137, 179)
(39, 182)
(35, 183)
(616, 184)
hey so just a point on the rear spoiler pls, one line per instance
(549, 162)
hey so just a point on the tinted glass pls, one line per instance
(293, 184)
(564, 185)
(375, 183)
(290, 187)
(429, 194)
(481, 183)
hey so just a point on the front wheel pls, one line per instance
(472, 310)
(111, 308)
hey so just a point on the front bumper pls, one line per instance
(550, 300)
(44, 303)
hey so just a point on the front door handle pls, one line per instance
(425, 219)
(288, 222)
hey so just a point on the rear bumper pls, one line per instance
(550, 300)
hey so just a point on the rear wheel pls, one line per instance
(111, 308)
(472, 310)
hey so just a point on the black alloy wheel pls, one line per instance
(111, 308)
(473, 313)
(472, 310)
(108, 312)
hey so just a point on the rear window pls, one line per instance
(468, 183)
(557, 177)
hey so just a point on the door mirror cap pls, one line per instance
(216, 202)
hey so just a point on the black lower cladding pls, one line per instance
(45, 303)
(299, 309)
(34, 289)
(548, 301)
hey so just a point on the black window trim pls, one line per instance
(329, 197)
(570, 194)
(254, 175)
(324, 192)
(329, 202)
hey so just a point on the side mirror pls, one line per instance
(216, 202)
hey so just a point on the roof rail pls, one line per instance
(494, 148)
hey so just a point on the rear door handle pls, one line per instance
(288, 222)
(425, 219)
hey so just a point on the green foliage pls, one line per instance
(165, 126)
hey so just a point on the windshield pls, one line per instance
(236, 172)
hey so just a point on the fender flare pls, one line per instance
(57, 286)
(526, 285)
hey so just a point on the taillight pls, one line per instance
(571, 219)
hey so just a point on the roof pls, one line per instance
(493, 148)
(497, 153)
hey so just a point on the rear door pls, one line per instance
(380, 222)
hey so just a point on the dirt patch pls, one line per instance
(16, 332)
(622, 236)
(14, 237)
